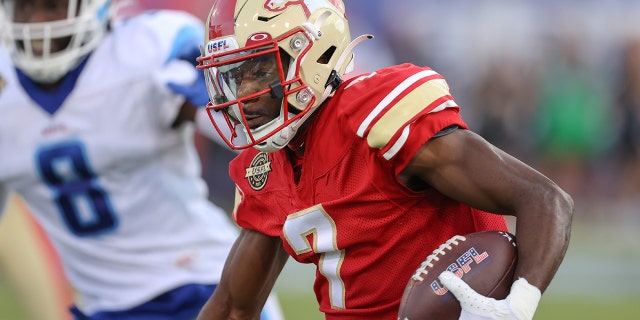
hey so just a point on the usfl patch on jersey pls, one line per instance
(258, 171)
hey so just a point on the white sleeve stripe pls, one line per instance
(360, 79)
(391, 96)
(444, 105)
(405, 132)
(399, 143)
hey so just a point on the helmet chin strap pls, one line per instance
(349, 49)
(287, 133)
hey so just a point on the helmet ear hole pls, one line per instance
(326, 56)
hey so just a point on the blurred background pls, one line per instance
(554, 83)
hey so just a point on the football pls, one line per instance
(485, 260)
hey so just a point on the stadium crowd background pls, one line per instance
(555, 83)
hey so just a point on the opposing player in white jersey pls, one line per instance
(96, 137)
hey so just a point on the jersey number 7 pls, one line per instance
(316, 222)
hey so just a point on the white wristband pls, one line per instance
(523, 299)
(520, 304)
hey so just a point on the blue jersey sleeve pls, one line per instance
(186, 47)
(171, 46)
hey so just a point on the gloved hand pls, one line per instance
(520, 304)
(194, 91)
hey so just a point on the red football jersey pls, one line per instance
(349, 213)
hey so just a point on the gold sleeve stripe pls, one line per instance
(405, 132)
(392, 96)
(404, 110)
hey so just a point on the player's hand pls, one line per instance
(520, 304)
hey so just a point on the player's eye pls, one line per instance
(261, 75)
(21, 9)
(235, 75)
(55, 6)
(51, 5)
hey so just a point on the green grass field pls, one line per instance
(302, 306)
(596, 281)
(297, 307)
(9, 309)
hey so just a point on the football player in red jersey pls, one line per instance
(363, 177)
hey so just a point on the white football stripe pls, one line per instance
(444, 105)
(399, 143)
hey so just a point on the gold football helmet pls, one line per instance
(296, 50)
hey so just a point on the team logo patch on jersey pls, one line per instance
(258, 171)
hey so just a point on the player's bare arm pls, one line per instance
(462, 165)
(4, 196)
(250, 272)
(187, 113)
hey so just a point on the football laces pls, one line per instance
(427, 263)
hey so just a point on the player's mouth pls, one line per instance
(254, 120)
(38, 47)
